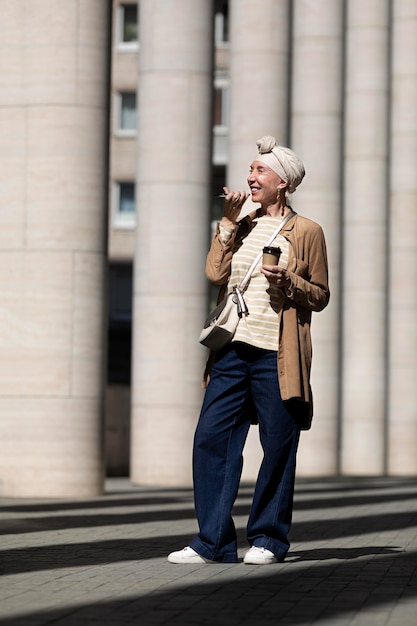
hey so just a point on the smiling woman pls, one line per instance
(266, 187)
(262, 376)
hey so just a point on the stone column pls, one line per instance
(53, 136)
(402, 442)
(259, 101)
(316, 130)
(259, 70)
(170, 292)
(364, 381)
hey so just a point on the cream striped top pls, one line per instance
(261, 327)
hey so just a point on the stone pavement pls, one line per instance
(103, 561)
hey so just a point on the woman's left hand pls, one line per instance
(276, 275)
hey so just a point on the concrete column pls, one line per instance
(259, 101)
(316, 130)
(53, 132)
(402, 446)
(259, 88)
(170, 292)
(364, 380)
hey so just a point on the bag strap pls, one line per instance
(245, 280)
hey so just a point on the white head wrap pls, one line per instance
(282, 160)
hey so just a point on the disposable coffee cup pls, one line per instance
(271, 255)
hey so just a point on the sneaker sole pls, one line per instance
(189, 560)
(260, 562)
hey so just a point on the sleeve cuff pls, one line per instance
(289, 291)
(225, 233)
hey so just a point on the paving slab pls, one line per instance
(102, 561)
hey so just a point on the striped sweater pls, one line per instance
(261, 327)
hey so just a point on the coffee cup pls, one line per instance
(271, 255)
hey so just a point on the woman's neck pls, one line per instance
(276, 210)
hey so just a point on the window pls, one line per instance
(220, 120)
(127, 26)
(120, 323)
(125, 205)
(221, 23)
(126, 113)
(221, 105)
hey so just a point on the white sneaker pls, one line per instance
(187, 555)
(259, 556)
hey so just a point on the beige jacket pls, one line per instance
(309, 291)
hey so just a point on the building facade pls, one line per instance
(126, 122)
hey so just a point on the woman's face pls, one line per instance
(264, 183)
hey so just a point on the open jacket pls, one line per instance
(309, 291)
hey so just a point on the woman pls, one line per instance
(263, 374)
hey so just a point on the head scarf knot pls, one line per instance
(282, 160)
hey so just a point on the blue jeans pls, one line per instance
(243, 376)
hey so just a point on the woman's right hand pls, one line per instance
(233, 203)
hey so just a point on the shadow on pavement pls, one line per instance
(39, 558)
(290, 595)
(326, 583)
(182, 497)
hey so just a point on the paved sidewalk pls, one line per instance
(103, 561)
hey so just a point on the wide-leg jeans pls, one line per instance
(243, 376)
